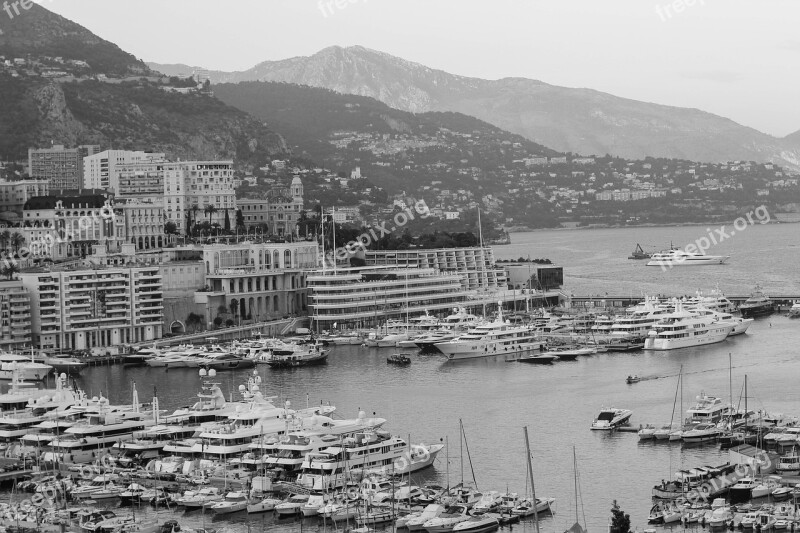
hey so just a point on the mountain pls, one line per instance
(70, 87)
(398, 149)
(38, 32)
(565, 119)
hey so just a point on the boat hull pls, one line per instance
(695, 261)
(717, 334)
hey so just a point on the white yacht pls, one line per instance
(708, 409)
(23, 366)
(639, 320)
(715, 301)
(676, 257)
(362, 454)
(495, 338)
(702, 433)
(682, 328)
(740, 324)
(611, 418)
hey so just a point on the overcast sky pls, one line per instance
(736, 58)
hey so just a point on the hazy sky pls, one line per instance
(735, 58)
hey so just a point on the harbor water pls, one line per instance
(496, 399)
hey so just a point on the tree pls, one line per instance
(194, 320)
(5, 238)
(209, 210)
(230, 322)
(218, 321)
(239, 219)
(170, 228)
(9, 270)
(234, 307)
(227, 225)
(620, 522)
(194, 209)
(222, 309)
(17, 240)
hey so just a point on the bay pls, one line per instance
(496, 399)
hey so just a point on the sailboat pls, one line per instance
(576, 527)
(531, 505)
(663, 432)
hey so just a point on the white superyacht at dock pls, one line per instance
(683, 328)
(495, 338)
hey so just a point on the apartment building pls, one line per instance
(61, 167)
(15, 316)
(14, 194)
(94, 309)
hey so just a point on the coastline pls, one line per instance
(524, 229)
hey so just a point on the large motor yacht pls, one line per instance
(495, 338)
(683, 328)
(676, 257)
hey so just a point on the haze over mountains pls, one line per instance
(565, 119)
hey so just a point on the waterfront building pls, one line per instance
(529, 275)
(15, 315)
(476, 264)
(94, 309)
(14, 194)
(180, 278)
(70, 227)
(100, 169)
(256, 281)
(369, 296)
(181, 186)
(61, 167)
(278, 211)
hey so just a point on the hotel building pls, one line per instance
(15, 316)
(94, 309)
(100, 170)
(182, 185)
(279, 210)
(257, 281)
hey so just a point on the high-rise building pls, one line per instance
(183, 185)
(61, 167)
(100, 308)
(15, 316)
(100, 169)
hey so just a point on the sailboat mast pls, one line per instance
(461, 444)
(533, 486)
(575, 472)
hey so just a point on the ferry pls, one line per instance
(362, 454)
(682, 329)
(676, 257)
(496, 338)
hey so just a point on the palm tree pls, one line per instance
(9, 270)
(5, 238)
(210, 210)
(17, 240)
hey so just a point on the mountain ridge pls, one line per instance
(579, 120)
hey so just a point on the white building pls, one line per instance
(100, 170)
(95, 309)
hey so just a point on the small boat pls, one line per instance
(292, 506)
(233, 503)
(611, 418)
(399, 359)
(263, 506)
(525, 506)
(757, 305)
(781, 493)
(794, 311)
(477, 524)
(414, 521)
(633, 379)
(638, 253)
(647, 432)
(538, 359)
